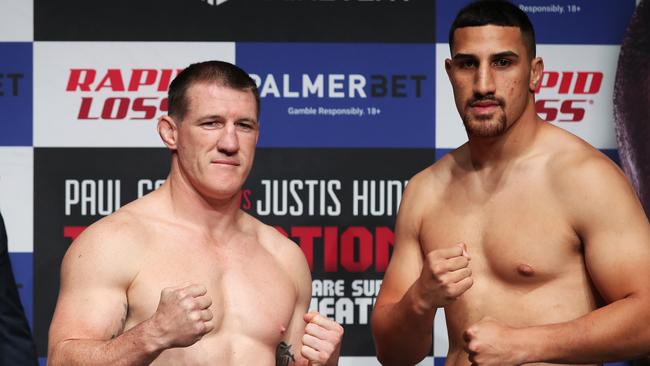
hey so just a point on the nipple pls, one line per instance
(282, 329)
(525, 270)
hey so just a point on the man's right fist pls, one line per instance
(445, 276)
(183, 317)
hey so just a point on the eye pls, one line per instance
(246, 126)
(502, 62)
(467, 64)
(211, 124)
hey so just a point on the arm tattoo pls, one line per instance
(283, 354)
(122, 322)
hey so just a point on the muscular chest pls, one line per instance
(251, 294)
(516, 236)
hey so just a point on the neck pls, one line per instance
(516, 141)
(196, 209)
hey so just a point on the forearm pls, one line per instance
(402, 330)
(137, 346)
(618, 331)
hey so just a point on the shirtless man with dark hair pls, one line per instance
(182, 276)
(531, 240)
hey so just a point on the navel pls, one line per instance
(525, 270)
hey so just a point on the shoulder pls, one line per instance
(585, 180)
(429, 185)
(574, 165)
(111, 246)
(285, 251)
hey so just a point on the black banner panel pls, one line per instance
(338, 205)
(236, 20)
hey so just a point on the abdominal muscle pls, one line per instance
(560, 299)
(227, 348)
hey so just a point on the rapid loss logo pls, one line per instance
(115, 94)
(339, 85)
(571, 93)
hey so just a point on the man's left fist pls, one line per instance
(321, 343)
(489, 342)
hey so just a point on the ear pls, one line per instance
(536, 71)
(168, 131)
(448, 67)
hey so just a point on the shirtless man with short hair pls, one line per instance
(531, 240)
(183, 276)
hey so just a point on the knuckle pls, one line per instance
(194, 316)
(186, 304)
(438, 269)
(322, 357)
(339, 330)
(199, 327)
(311, 327)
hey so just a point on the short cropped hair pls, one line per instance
(219, 72)
(495, 12)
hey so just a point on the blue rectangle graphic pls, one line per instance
(22, 265)
(343, 95)
(16, 75)
(558, 22)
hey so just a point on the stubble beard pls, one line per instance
(488, 126)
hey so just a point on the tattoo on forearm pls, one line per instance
(283, 354)
(122, 322)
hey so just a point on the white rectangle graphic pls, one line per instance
(576, 93)
(17, 196)
(109, 94)
(16, 20)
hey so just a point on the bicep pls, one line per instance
(92, 301)
(406, 261)
(616, 237)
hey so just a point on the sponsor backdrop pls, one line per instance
(355, 101)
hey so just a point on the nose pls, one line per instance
(484, 80)
(228, 142)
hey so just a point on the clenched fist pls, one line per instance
(182, 317)
(489, 342)
(321, 343)
(445, 276)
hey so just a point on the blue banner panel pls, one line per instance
(343, 95)
(561, 22)
(22, 265)
(16, 94)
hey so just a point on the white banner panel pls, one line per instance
(576, 94)
(109, 94)
(17, 196)
(440, 339)
(16, 20)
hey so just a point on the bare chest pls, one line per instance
(253, 298)
(515, 237)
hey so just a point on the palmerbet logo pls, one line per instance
(214, 2)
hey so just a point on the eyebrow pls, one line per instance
(220, 118)
(505, 54)
(466, 56)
